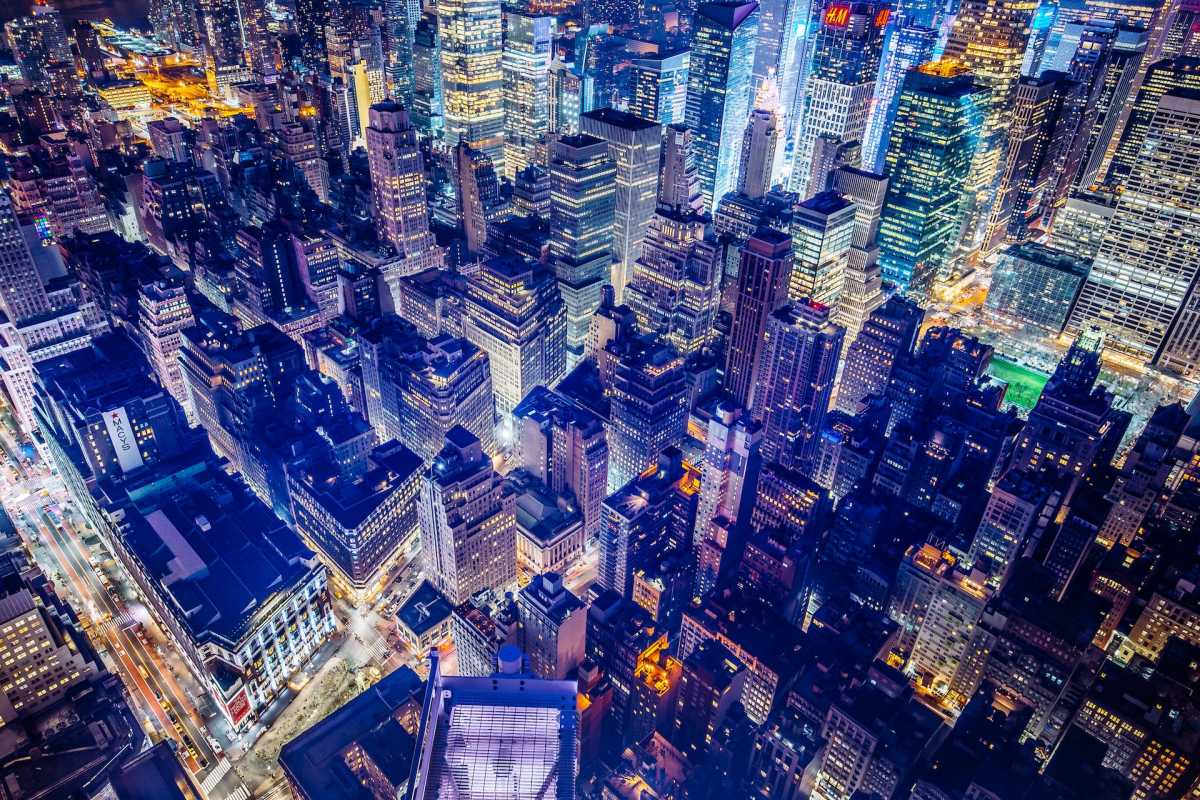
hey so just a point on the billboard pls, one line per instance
(124, 443)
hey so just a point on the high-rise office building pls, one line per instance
(226, 30)
(674, 287)
(713, 679)
(837, 100)
(1035, 285)
(822, 233)
(659, 87)
(862, 289)
(989, 39)
(427, 75)
(758, 153)
(163, 312)
(649, 409)
(471, 39)
(1125, 62)
(312, 18)
(566, 446)
(446, 382)
(528, 41)
(634, 145)
(398, 183)
(801, 348)
(1160, 78)
(582, 211)
(720, 91)
(468, 521)
(1142, 284)
(1042, 128)
(515, 314)
(888, 335)
(730, 466)
(22, 294)
(908, 47)
(928, 163)
(766, 265)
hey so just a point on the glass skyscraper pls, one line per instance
(907, 48)
(928, 162)
(720, 90)
(472, 79)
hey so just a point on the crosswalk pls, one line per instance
(240, 793)
(218, 772)
(122, 621)
(380, 649)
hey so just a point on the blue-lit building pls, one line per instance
(928, 162)
(720, 92)
(907, 48)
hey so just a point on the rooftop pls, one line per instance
(425, 609)
(314, 761)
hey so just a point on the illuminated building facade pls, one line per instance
(528, 40)
(928, 163)
(634, 145)
(837, 99)
(468, 523)
(583, 197)
(471, 40)
(720, 92)
(660, 87)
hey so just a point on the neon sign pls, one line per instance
(881, 19)
(837, 16)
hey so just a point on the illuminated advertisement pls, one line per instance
(124, 443)
(238, 707)
(837, 16)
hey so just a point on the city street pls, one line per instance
(162, 692)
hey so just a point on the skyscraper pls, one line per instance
(758, 153)
(888, 335)
(582, 210)
(225, 33)
(398, 183)
(516, 315)
(674, 287)
(566, 446)
(822, 231)
(553, 628)
(659, 87)
(21, 292)
(1142, 285)
(528, 41)
(801, 348)
(446, 382)
(472, 77)
(720, 90)
(649, 409)
(312, 17)
(468, 521)
(862, 289)
(633, 145)
(766, 266)
(928, 163)
(837, 100)
(163, 312)
(1042, 128)
(908, 47)
(427, 75)
(989, 38)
